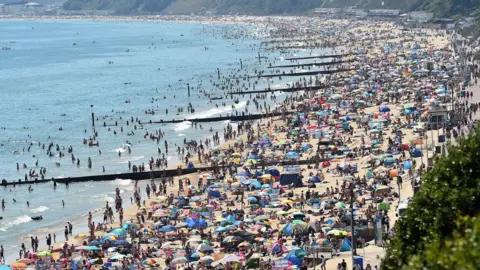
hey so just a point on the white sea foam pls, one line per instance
(181, 135)
(131, 159)
(39, 209)
(120, 149)
(215, 111)
(122, 182)
(16, 221)
(110, 200)
(183, 126)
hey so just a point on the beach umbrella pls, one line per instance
(121, 243)
(181, 225)
(337, 232)
(117, 256)
(119, 232)
(194, 240)
(300, 253)
(263, 217)
(25, 261)
(243, 173)
(244, 244)
(252, 199)
(19, 266)
(44, 253)
(407, 165)
(95, 243)
(207, 260)
(383, 206)
(227, 259)
(204, 248)
(292, 154)
(167, 228)
(92, 248)
(149, 261)
(340, 205)
(180, 260)
(221, 229)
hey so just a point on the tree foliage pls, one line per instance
(459, 251)
(440, 7)
(450, 191)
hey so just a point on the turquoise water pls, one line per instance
(45, 76)
(47, 83)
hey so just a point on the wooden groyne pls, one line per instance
(314, 64)
(318, 57)
(145, 175)
(243, 117)
(306, 73)
(292, 89)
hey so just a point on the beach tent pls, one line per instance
(273, 172)
(287, 230)
(384, 109)
(294, 259)
(190, 165)
(389, 161)
(290, 178)
(346, 245)
(256, 184)
(416, 152)
(407, 165)
(214, 194)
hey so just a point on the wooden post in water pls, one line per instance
(93, 117)
(188, 87)
(218, 73)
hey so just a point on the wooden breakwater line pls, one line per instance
(147, 175)
(318, 57)
(306, 73)
(314, 64)
(271, 90)
(234, 118)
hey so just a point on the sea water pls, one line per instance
(55, 71)
(52, 74)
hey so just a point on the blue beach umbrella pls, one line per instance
(407, 165)
(292, 154)
(92, 248)
(167, 228)
(221, 229)
(121, 243)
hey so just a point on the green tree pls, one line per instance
(451, 190)
(460, 251)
